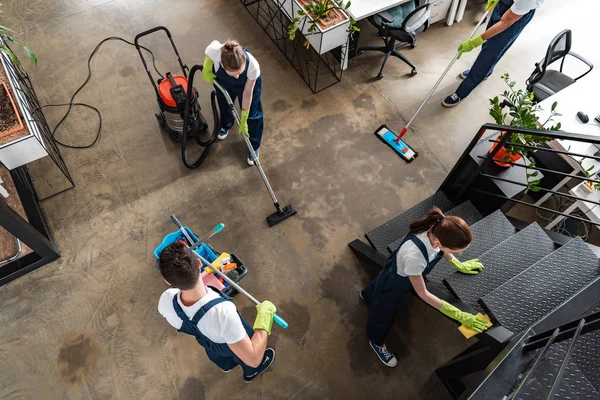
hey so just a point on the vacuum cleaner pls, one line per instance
(181, 118)
(172, 100)
(281, 213)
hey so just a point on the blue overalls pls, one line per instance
(235, 88)
(219, 353)
(494, 48)
(385, 294)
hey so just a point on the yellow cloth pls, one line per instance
(468, 332)
(217, 263)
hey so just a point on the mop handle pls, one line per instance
(280, 321)
(405, 129)
(210, 234)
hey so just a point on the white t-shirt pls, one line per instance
(410, 259)
(214, 52)
(221, 324)
(522, 7)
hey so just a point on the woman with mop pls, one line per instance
(239, 73)
(430, 238)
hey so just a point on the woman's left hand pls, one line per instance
(470, 267)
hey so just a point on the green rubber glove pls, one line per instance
(470, 320)
(491, 4)
(243, 129)
(470, 267)
(264, 316)
(469, 45)
(207, 70)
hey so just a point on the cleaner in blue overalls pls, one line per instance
(211, 317)
(430, 238)
(239, 73)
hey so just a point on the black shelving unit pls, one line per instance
(319, 71)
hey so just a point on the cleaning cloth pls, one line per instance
(468, 332)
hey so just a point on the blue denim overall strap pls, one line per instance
(386, 292)
(235, 88)
(219, 353)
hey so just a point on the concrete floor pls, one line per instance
(86, 326)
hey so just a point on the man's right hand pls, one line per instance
(207, 70)
(264, 317)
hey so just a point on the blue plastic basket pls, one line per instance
(205, 251)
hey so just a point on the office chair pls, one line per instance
(414, 23)
(544, 82)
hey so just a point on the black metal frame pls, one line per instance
(35, 233)
(27, 98)
(460, 181)
(308, 62)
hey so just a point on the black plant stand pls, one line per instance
(35, 233)
(319, 71)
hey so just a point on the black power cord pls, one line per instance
(71, 103)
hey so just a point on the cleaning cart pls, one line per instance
(208, 253)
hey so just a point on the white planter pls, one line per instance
(322, 40)
(26, 149)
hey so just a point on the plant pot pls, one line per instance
(502, 155)
(10, 118)
(325, 39)
(28, 144)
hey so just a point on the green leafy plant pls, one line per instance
(590, 175)
(522, 113)
(5, 35)
(315, 12)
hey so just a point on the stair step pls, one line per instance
(536, 291)
(574, 383)
(397, 227)
(487, 233)
(502, 262)
(586, 353)
(465, 210)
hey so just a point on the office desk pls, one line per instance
(581, 96)
(361, 9)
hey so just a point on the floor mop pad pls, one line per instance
(400, 147)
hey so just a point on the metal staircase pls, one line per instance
(541, 288)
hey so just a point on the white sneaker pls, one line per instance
(250, 160)
(223, 134)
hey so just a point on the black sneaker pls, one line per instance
(384, 355)
(451, 100)
(266, 363)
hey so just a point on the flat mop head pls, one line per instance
(401, 148)
(281, 214)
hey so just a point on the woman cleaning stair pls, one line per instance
(430, 238)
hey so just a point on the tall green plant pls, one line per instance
(523, 113)
(317, 11)
(5, 35)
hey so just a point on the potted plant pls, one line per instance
(324, 23)
(7, 38)
(10, 119)
(523, 113)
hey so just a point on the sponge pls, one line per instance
(468, 332)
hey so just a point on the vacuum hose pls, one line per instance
(186, 116)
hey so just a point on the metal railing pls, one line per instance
(462, 182)
(570, 331)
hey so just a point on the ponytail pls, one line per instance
(232, 55)
(452, 232)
